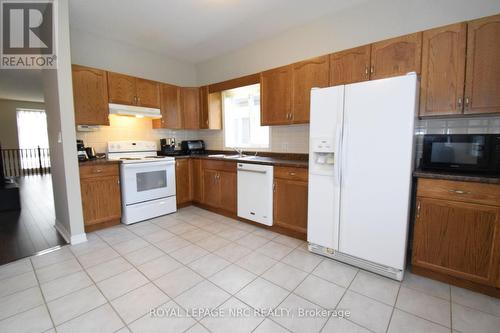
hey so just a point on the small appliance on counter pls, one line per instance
(167, 148)
(472, 153)
(80, 148)
(84, 153)
(193, 147)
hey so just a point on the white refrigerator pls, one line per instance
(360, 169)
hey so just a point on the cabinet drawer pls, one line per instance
(291, 173)
(89, 171)
(219, 165)
(486, 194)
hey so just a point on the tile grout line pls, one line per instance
(393, 308)
(43, 297)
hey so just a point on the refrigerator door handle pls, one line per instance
(338, 153)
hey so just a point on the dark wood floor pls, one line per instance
(26, 232)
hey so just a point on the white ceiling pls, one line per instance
(196, 30)
(21, 85)
(188, 30)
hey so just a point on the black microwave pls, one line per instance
(475, 153)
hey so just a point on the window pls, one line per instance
(242, 118)
(32, 129)
(33, 138)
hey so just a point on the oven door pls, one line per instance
(147, 181)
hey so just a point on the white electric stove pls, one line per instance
(147, 180)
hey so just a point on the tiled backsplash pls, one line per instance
(129, 128)
(286, 139)
(283, 139)
(476, 125)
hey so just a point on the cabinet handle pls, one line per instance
(135, 99)
(291, 173)
(98, 170)
(459, 192)
(274, 187)
(467, 102)
(372, 69)
(418, 209)
(367, 72)
(460, 102)
(138, 100)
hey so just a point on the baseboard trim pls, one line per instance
(71, 239)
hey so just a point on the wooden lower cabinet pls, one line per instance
(290, 199)
(183, 180)
(196, 180)
(101, 196)
(219, 185)
(455, 238)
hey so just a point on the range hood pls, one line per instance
(134, 111)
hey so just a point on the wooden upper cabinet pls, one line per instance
(148, 93)
(350, 66)
(121, 89)
(396, 56)
(170, 107)
(306, 75)
(276, 96)
(482, 86)
(457, 239)
(210, 109)
(443, 70)
(190, 108)
(90, 93)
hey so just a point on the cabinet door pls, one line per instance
(170, 106)
(190, 108)
(306, 75)
(276, 96)
(90, 93)
(350, 66)
(197, 180)
(121, 89)
(211, 189)
(396, 56)
(204, 108)
(482, 83)
(101, 199)
(214, 111)
(456, 238)
(443, 70)
(183, 181)
(148, 93)
(290, 204)
(228, 194)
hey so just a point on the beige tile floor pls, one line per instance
(182, 264)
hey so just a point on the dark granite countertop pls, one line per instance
(279, 160)
(456, 176)
(101, 161)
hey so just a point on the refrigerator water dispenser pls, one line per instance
(322, 156)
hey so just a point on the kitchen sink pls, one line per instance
(239, 157)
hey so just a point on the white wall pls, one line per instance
(8, 121)
(367, 23)
(58, 94)
(94, 51)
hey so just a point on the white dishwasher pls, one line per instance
(255, 192)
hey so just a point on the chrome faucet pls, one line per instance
(239, 151)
